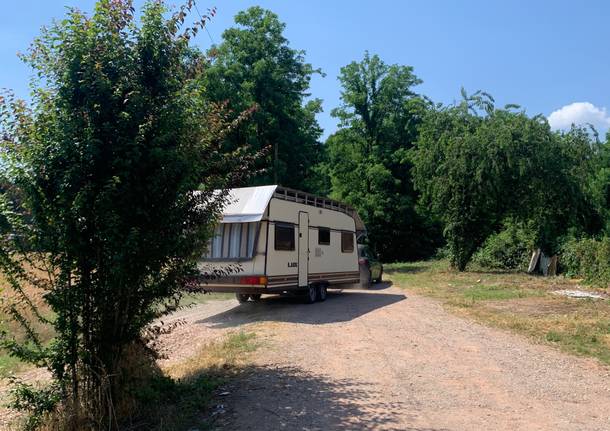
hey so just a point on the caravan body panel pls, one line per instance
(296, 244)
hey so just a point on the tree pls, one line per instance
(100, 212)
(255, 66)
(368, 156)
(601, 183)
(477, 166)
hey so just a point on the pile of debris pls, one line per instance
(580, 294)
(542, 264)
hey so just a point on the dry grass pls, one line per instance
(514, 301)
(232, 351)
(45, 332)
(9, 365)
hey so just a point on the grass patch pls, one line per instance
(179, 395)
(10, 365)
(232, 351)
(487, 293)
(515, 301)
(45, 332)
(204, 298)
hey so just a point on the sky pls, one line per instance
(547, 56)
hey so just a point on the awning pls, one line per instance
(247, 204)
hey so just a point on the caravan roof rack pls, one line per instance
(298, 196)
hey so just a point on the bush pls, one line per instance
(509, 249)
(98, 210)
(588, 258)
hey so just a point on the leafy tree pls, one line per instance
(99, 212)
(601, 184)
(368, 156)
(255, 66)
(476, 166)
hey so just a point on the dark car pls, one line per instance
(371, 269)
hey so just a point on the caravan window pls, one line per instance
(323, 236)
(233, 241)
(284, 237)
(347, 242)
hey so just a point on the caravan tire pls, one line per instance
(255, 296)
(242, 297)
(311, 295)
(322, 292)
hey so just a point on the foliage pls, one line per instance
(510, 248)
(98, 209)
(588, 258)
(255, 66)
(600, 184)
(367, 156)
(476, 165)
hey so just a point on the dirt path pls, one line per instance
(386, 360)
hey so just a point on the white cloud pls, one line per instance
(579, 113)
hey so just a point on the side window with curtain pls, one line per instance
(233, 241)
(284, 237)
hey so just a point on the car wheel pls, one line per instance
(255, 296)
(380, 278)
(242, 297)
(311, 294)
(322, 292)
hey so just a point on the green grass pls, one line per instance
(515, 301)
(9, 365)
(488, 293)
(240, 342)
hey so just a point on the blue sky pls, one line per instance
(547, 56)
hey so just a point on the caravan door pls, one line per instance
(303, 248)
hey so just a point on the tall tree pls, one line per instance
(368, 156)
(476, 166)
(255, 66)
(601, 183)
(101, 212)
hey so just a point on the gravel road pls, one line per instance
(384, 359)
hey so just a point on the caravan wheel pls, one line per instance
(322, 292)
(242, 297)
(311, 295)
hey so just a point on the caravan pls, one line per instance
(283, 240)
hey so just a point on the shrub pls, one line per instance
(98, 210)
(509, 249)
(588, 258)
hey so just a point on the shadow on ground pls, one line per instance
(340, 306)
(265, 398)
(381, 286)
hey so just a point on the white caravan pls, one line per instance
(283, 240)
